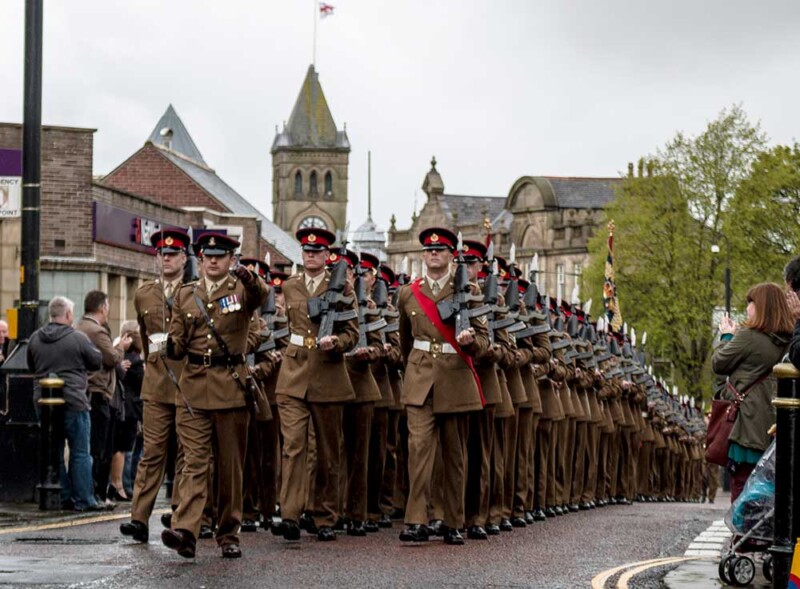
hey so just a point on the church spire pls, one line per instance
(311, 123)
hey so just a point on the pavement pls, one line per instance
(709, 547)
(629, 547)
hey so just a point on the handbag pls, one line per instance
(720, 424)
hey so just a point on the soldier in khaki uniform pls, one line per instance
(358, 413)
(210, 329)
(312, 387)
(153, 302)
(440, 388)
(383, 418)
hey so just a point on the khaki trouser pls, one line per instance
(357, 426)
(479, 454)
(296, 416)
(603, 463)
(158, 422)
(592, 451)
(262, 469)
(378, 457)
(524, 461)
(579, 463)
(225, 430)
(544, 440)
(426, 432)
(500, 500)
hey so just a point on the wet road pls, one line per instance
(568, 551)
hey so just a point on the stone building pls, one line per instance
(310, 158)
(550, 216)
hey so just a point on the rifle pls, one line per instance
(490, 293)
(380, 296)
(458, 308)
(364, 313)
(322, 309)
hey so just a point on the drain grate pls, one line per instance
(63, 541)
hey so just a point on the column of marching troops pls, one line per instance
(513, 410)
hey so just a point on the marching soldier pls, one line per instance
(153, 302)
(440, 388)
(312, 387)
(210, 329)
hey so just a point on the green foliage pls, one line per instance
(762, 219)
(668, 280)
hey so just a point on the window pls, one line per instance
(578, 270)
(313, 183)
(559, 233)
(298, 183)
(313, 222)
(559, 273)
(328, 183)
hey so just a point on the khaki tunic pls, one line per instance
(154, 316)
(313, 374)
(213, 387)
(453, 384)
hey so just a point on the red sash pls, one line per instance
(448, 332)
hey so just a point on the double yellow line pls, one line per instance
(73, 523)
(599, 582)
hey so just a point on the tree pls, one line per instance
(668, 280)
(763, 218)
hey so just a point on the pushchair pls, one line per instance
(750, 519)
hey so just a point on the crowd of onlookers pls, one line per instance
(102, 381)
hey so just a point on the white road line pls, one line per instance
(710, 542)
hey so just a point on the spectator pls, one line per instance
(4, 341)
(746, 356)
(102, 383)
(59, 349)
(130, 373)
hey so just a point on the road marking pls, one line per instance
(622, 583)
(73, 523)
(599, 582)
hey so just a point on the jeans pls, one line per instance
(102, 443)
(76, 483)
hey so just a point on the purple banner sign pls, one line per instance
(10, 162)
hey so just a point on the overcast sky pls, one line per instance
(495, 89)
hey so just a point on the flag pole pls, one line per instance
(316, 17)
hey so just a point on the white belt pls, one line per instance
(426, 346)
(309, 342)
(156, 342)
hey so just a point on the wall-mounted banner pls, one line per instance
(10, 183)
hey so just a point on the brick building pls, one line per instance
(95, 233)
(549, 216)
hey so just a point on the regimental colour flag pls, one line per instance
(794, 575)
(325, 10)
(610, 302)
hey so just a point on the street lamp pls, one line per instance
(715, 250)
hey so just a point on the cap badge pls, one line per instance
(465, 248)
(169, 241)
(277, 282)
(212, 242)
(251, 267)
(312, 238)
(333, 257)
(434, 237)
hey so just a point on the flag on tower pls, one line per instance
(610, 302)
(325, 10)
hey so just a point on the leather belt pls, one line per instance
(426, 346)
(208, 360)
(309, 342)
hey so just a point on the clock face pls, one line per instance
(313, 223)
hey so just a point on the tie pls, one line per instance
(168, 290)
(212, 288)
(435, 288)
(310, 286)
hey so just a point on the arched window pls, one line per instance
(328, 183)
(313, 183)
(298, 183)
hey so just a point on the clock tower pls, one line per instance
(309, 165)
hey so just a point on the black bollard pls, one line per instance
(51, 446)
(787, 476)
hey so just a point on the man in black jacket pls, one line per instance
(59, 349)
